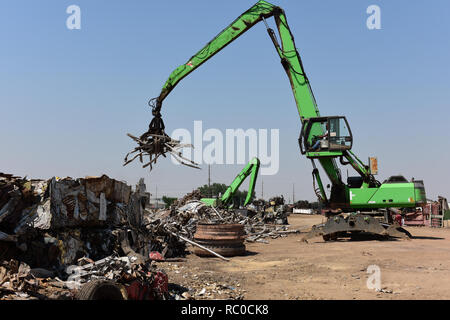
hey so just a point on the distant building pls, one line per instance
(156, 204)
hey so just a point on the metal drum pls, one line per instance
(224, 239)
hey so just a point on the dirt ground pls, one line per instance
(287, 268)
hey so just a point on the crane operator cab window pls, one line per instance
(325, 134)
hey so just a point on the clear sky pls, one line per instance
(68, 97)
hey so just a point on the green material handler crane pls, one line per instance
(326, 140)
(251, 169)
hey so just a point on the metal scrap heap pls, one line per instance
(52, 225)
(57, 221)
(184, 215)
(59, 234)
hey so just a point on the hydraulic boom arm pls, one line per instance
(251, 169)
(290, 60)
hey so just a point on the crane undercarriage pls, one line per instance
(355, 225)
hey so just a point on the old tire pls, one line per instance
(101, 290)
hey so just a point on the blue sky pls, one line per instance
(68, 97)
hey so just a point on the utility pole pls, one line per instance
(156, 196)
(262, 189)
(209, 180)
(293, 193)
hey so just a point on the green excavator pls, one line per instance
(352, 207)
(251, 169)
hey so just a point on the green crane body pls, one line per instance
(251, 169)
(369, 193)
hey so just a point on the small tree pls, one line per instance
(215, 190)
(168, 201)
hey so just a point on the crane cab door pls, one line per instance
(325, 136)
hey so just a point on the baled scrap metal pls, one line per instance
(37, 216)
(79, 214)
(73, 218)
(90, 202)
(87, 202)
(15, 195)
(13, 201)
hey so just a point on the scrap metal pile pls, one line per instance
(137, 280)
(18, 281)
(54, 225)
(58, 234)
(184, 215)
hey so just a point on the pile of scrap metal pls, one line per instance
(431, 213)
(57, 221)
(18, 281)
(127, 278)
(184, 215)
(195, 195)
(114, 278)
(276, 211)
(52, 224)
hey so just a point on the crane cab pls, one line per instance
(325, 137)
